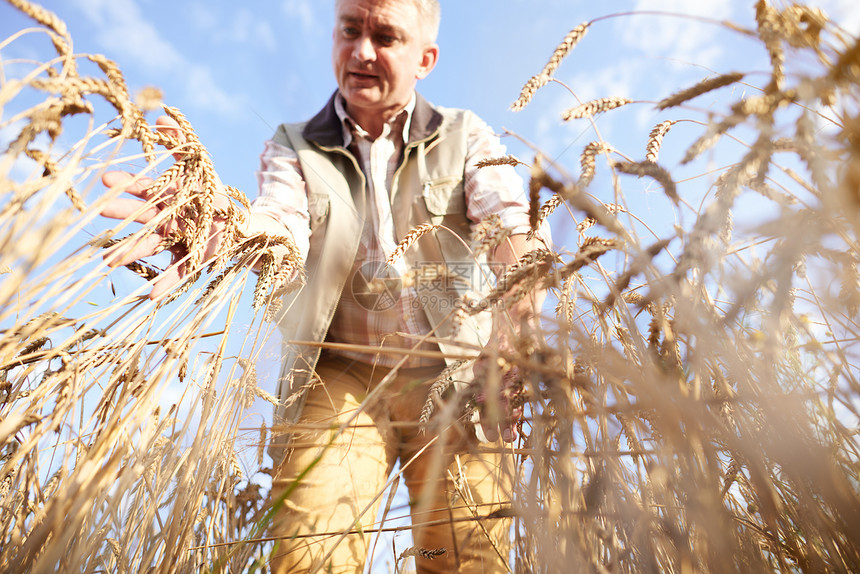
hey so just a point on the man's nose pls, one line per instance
(364, 50)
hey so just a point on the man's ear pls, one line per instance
(428, 61)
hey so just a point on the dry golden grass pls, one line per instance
(692, 405)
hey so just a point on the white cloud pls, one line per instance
(303, 11)
(126, 33)
(204, 16)
(239, 27)
(677, 36)
(202, 89)
(250, 29)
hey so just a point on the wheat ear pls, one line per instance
(590, 221)
(652, 170)
(489, 234)
(594, 107)
(504, 160)
(655, 140)
(407, 241)
(535, 187)
(587, 161)
(589, 251)
(429, 554)
(562, 50)
(545, 211)
(769, 31)
(703, 87)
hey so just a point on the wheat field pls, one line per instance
(691, 400)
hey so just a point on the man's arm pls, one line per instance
(500, 413)
(509, 253)
(499, 191)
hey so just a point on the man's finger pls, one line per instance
(133, 249)
(216, 234)
(170, 127)
(167, 281)
(490, 431)
(506, 427)
(139, 187)
(495, 414)
(134, 209)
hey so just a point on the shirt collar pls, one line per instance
(350, 125)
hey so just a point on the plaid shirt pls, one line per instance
(399, 320)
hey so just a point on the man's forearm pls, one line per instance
(508, 253)
(261, 223)
(264, 224)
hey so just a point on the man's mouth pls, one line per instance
(363, 75)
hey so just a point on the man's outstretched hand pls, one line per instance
(157, 208)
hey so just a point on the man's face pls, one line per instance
(378, 54)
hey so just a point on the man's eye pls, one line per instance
(386, 40)
(350, 31)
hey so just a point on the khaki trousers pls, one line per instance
(336, 478)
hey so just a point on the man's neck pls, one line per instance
(373, 122)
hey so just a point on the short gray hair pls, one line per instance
(430, 13)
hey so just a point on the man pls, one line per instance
(349, 185)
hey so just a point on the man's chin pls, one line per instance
(361, 97)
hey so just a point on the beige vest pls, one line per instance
(427, 187)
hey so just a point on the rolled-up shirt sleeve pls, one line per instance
(282, 194)
(495, 189)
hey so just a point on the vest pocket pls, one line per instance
(444, 196)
